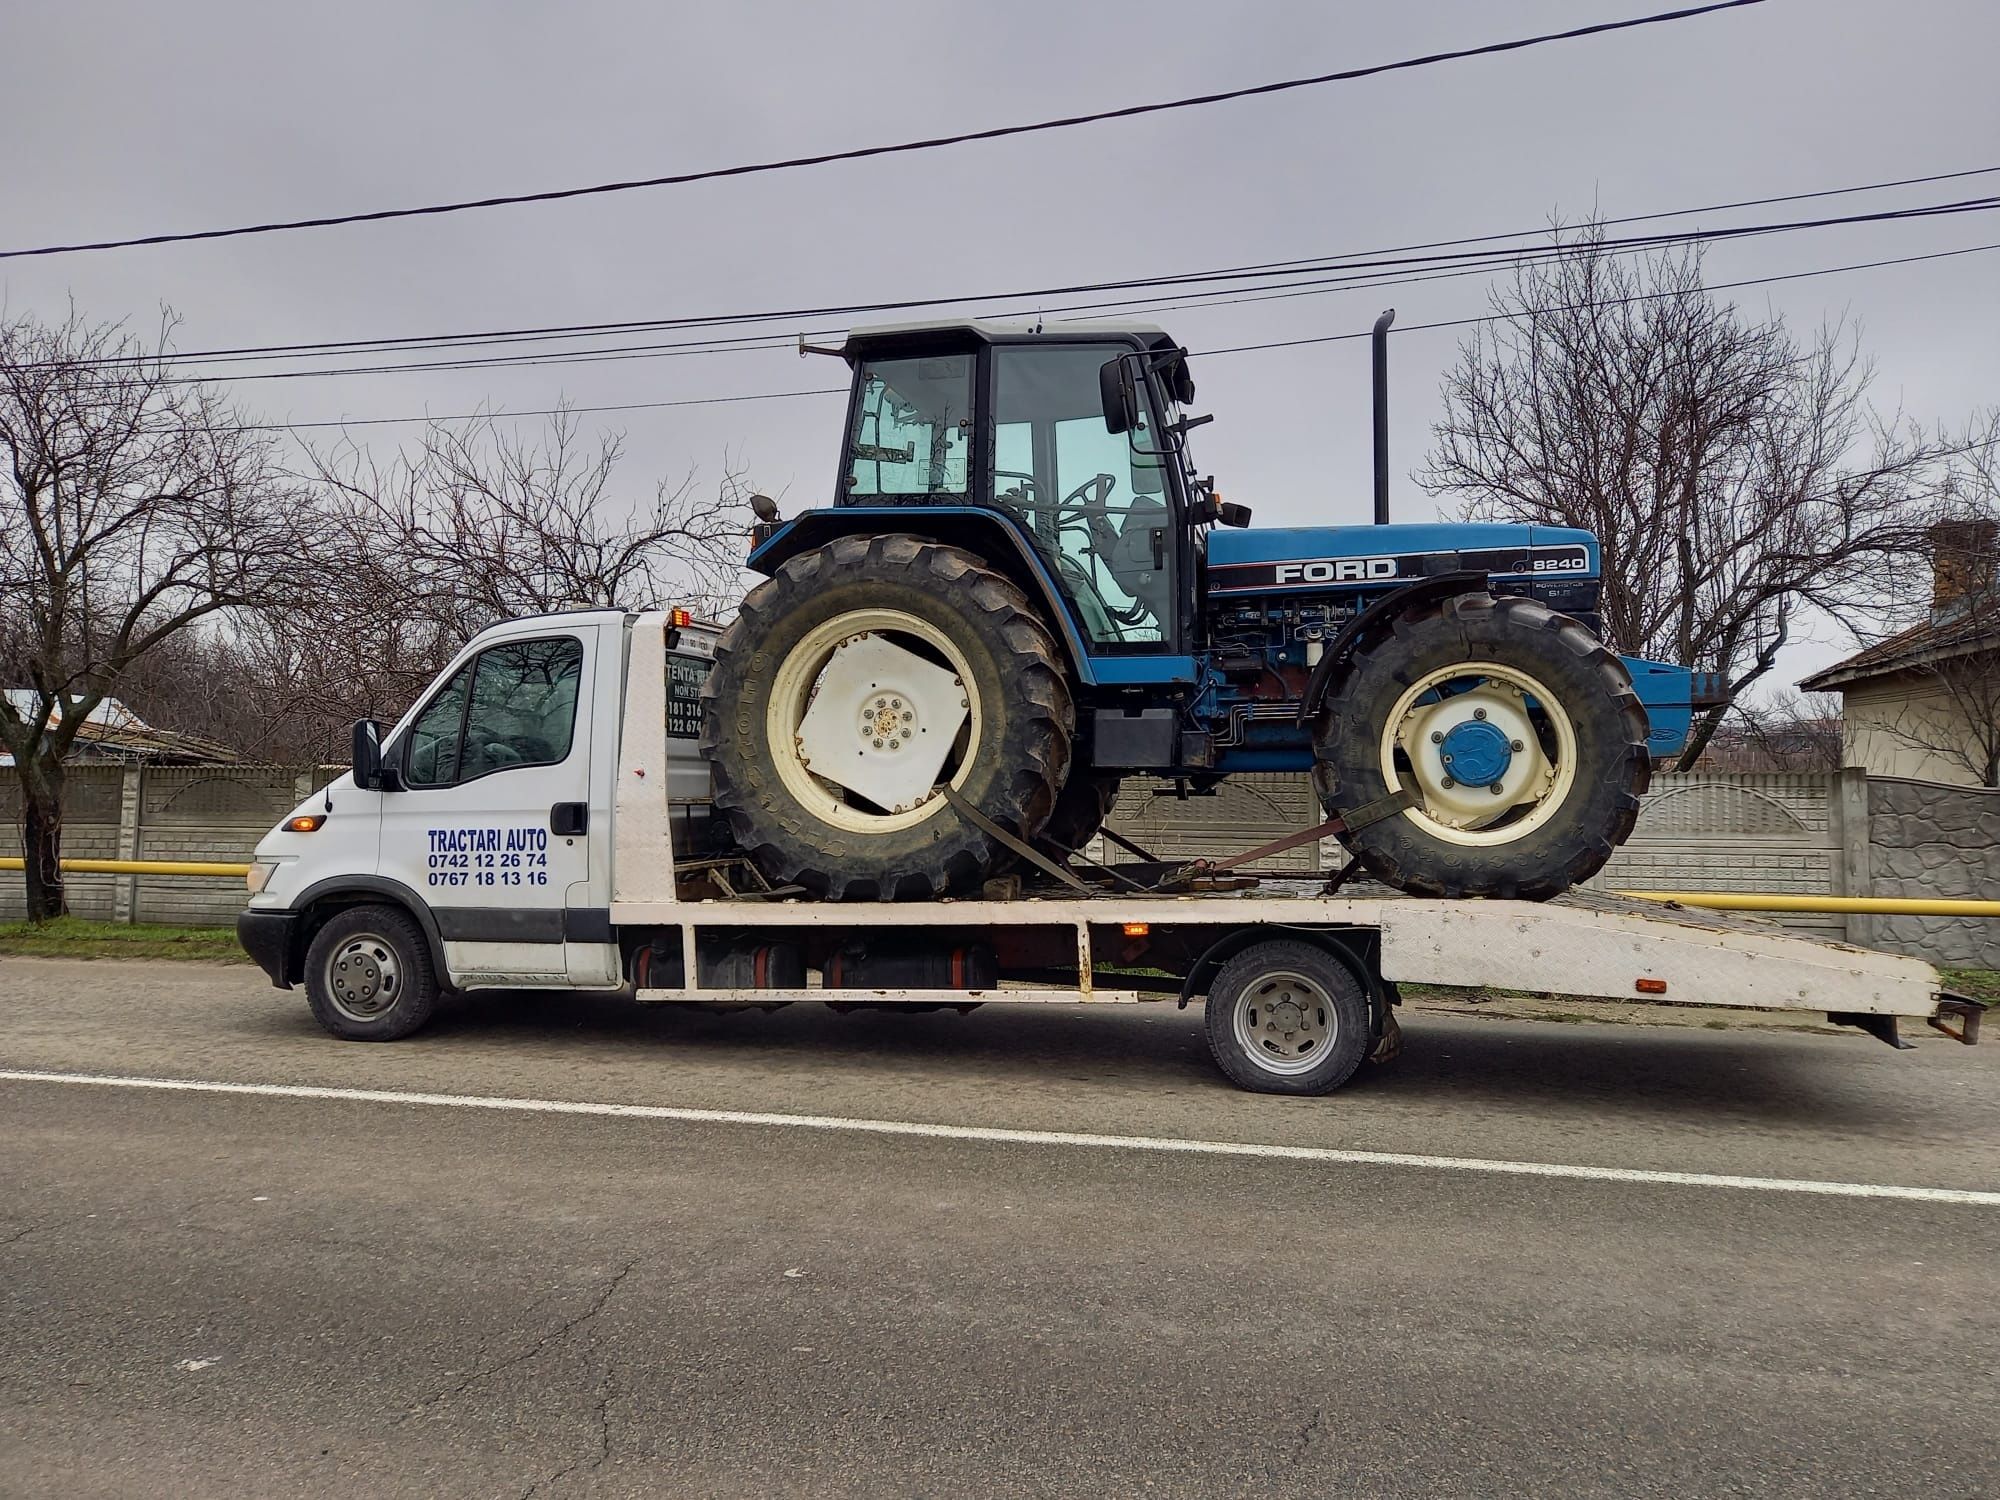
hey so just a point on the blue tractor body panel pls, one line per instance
(1297, 584)
(1668, 693)
(1309, 559)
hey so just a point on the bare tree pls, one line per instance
(1732, 474)
(134, 505)
(476, 524)
(1789, 732)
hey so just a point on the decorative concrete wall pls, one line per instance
(1812, 834)
(158, 812)
(1925, 839)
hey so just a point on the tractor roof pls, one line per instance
(881, 336)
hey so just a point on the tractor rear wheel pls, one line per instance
(1081, 808)
(854, 686)
(1514, 731)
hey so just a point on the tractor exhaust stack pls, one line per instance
(1381, 343)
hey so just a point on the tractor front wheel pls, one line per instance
(855, 686)
(1513, 733)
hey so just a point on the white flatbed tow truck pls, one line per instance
(537, 822)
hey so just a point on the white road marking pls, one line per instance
(1325, 1154)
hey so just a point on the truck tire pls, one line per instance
(1081, 808)
(824, 689)
(369, 976)
(1287, 1017)
(1515, 731)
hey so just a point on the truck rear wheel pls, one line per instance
(1516, 734)
(1287, 1017)
(854, 686)
(369, 975)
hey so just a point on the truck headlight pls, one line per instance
(259, 875)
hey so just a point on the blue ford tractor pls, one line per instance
(1023, 593)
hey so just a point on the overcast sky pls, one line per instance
(130, 119)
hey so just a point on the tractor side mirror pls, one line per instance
(1119, 393)
(367, 754)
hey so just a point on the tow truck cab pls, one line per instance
(485, 812)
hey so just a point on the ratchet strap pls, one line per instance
(1361, 817)
(1021, 847)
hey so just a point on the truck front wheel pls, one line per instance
(369, 976)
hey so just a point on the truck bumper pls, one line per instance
(267, 937)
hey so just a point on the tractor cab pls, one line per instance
(1074, 436)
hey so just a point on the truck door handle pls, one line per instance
(569, 818)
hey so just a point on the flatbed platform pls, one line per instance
(1581, 944)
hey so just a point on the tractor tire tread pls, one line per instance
(954, 855)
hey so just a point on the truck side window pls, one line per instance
(510, 706)
(434, 738)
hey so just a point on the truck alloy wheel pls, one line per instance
(858, 683)
(1513, 731)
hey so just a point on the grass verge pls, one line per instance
(1981, 984)
(72, 937)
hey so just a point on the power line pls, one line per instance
(863, 152)
(1330, 338)
(1351, 273)
(553, 411)
(1720, 286)
(442, 342)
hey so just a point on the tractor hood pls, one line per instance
(1307, 559)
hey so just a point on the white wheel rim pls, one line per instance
(864, 730)
(1492, 714)
(1284, 1023)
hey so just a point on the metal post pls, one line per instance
(1381, 343)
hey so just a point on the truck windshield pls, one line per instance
(1095, 506)
(912, 428)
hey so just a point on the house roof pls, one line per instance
(113, 731)
(1922, 644)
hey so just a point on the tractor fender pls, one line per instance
(993, 535)
(1373, 620)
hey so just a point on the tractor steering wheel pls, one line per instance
(1087, 501)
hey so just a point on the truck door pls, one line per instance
(491, 824)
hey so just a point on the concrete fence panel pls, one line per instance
(1802, 833)
(1928, 839)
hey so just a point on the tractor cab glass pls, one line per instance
(1094, 501)
(912, 429)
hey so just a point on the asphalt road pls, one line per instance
(220, 1293)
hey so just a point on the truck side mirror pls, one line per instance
(1119, 394)
(367, 754)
